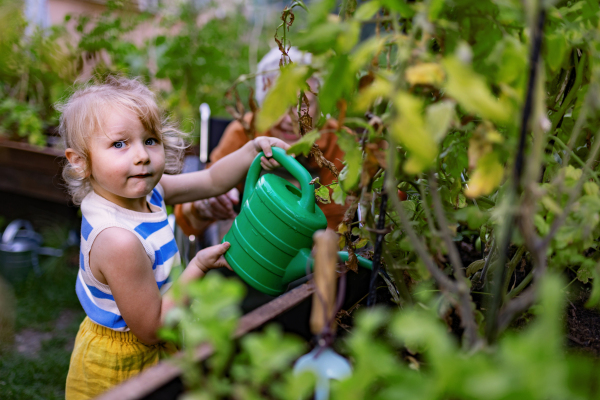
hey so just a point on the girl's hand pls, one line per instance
(212, 257)
(264, 144)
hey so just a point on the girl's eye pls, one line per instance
(119, 144)
(151, 141)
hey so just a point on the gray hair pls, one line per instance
(268, 69)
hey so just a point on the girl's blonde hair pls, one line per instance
(82, 115)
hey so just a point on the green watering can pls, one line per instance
(271, 238)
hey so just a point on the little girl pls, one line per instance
(118, 149)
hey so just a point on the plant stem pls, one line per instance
(571, 95)
(576, 158)
(512, 265)
(425, 205)
(521, 286)
(464, 305)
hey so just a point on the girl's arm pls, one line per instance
(118, 259)
(222, 176)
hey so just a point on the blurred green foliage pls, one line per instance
(187, 61)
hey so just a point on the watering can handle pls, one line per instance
(11, 230)
(307, 201)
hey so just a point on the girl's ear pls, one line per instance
(78, 162)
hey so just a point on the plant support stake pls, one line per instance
(377, 251)
(492, 327)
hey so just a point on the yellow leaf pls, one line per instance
(361, 243)
(409, 130)
(379, 88)
(551, 205)
(342, 242)
(439, 119)
(487, 176)
(425, 74)
(590, 188)
(342, 228)
(482, 142)
(472, 92)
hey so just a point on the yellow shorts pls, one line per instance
(103, 358)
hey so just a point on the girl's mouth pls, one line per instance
(141, 176)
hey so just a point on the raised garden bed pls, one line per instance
(32, 171)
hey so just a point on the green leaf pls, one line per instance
(541, 224)
(282, 96)
(365, 51)
(349, 176)
(556, 49)
(322, 195)
(339, 82)
(367, 10)
(400, 6)
(435, 8)
(585, 271)
(338, 195)
(320, 38)
(305, 143)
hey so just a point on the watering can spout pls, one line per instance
(303, 263)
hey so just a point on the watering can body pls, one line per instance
(276, 221)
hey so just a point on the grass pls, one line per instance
(40, 300)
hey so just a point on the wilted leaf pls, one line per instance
(486, 177)
(425, 74)
(472, 92)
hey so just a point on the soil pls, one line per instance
(582, 324)
(583, 328)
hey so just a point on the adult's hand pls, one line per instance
(216, 208)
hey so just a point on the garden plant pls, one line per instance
(471, 176)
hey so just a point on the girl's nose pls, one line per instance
(141, 155)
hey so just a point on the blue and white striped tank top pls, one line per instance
(154, 233)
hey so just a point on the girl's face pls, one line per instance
(127, 161)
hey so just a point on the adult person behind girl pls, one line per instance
(194, 218)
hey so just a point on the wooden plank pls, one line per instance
(32, 171)
(153, 378)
